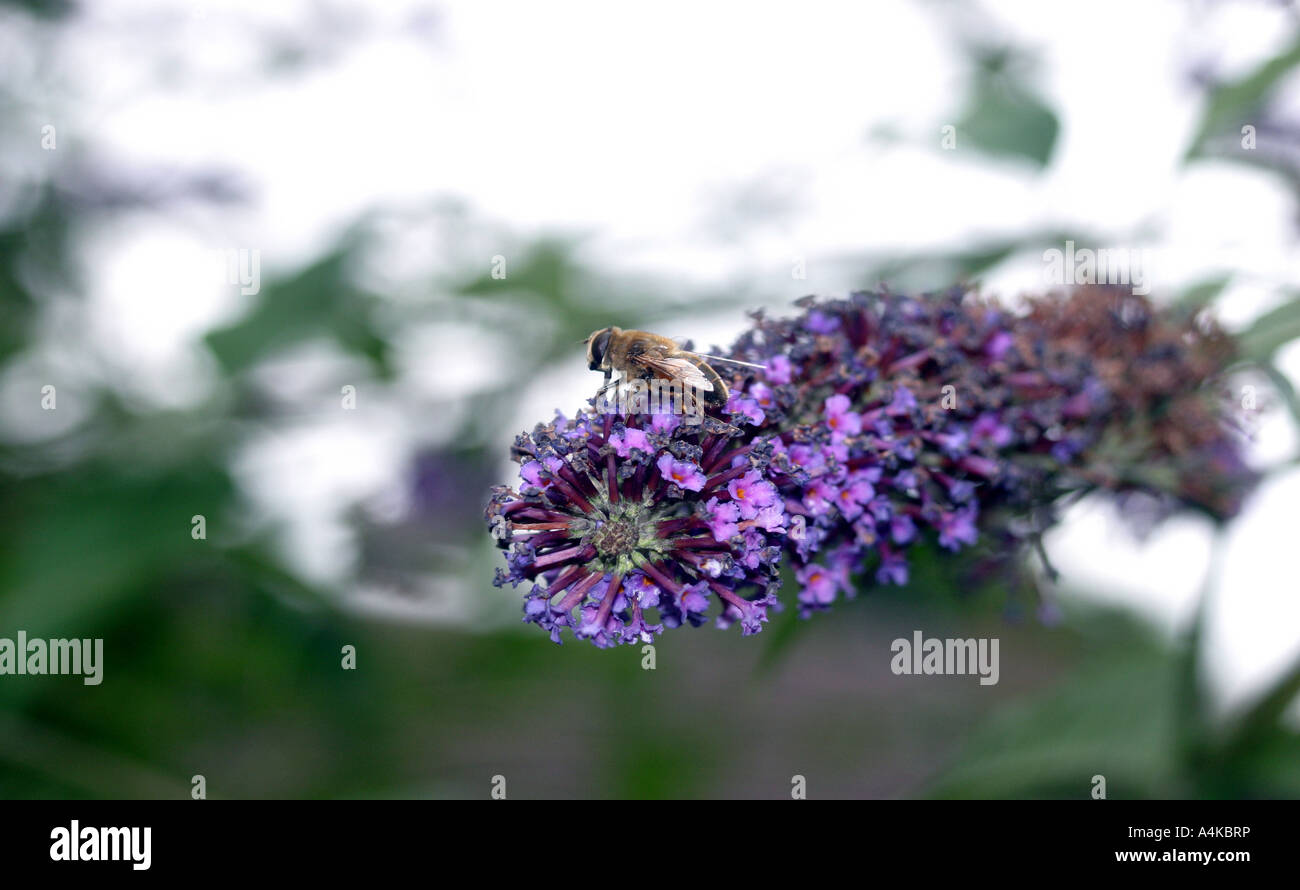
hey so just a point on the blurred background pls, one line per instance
(305, 269)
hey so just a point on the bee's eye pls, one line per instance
(596, 352)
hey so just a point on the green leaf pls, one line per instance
(1284, 388)
(1202, 293)
(1004, 118)
(1272, 330)
(1234, 104)
(1265, 717)
(318, 301)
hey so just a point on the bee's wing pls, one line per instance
(675, 368)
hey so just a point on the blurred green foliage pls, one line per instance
(222, 661)
(1004, 116)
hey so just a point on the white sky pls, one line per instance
(635, 128)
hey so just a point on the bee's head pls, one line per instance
(597, 346)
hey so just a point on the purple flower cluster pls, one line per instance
(895, 419)
(622, 517)
(878, 422)
(868, 447)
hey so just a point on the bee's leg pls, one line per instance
(609, 384)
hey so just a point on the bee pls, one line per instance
(646, 356)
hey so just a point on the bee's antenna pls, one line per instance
(733, 361)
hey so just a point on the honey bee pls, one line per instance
(643, 355)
